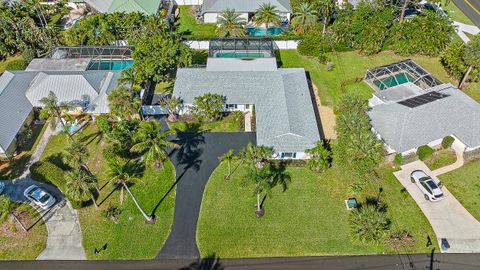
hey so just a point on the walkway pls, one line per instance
(449, 219)
(40, 148)
(462, 28)
(194, 163)
(248, 121)
(64, 240)
(459, 149)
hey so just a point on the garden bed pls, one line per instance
(230, 122)
(441, 158)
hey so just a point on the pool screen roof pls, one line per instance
(376, 77)
(241, 45)
(94, 52)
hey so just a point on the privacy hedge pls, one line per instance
(424, 152)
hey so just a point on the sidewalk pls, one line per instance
(248, 122)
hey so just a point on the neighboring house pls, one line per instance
(81, 76)
(211, 9)
(148, 7)
(244, 71)
(411, 108)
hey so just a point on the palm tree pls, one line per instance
(261, 178)
(123, 174)
(471, 57)
(152, 142)
(172, 105)
(319, 157)
(76, 154)
(228, 157)
(54, 110)
(267, 14)
(123, 103)
(129, 77)
(79, 185)
(255, 155)
(230, 24)
(326, 8)
(305, 18)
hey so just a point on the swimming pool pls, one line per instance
(240, 55)
(259, 32)
(110, 64)
(391, 81)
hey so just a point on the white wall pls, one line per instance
(298, 155)
(188, 2)
(210, 17)
(280, 44)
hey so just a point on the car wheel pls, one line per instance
(426, 197)
(411, 179)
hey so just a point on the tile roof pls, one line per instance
(404, 128)
(283, 106)
(243, 5)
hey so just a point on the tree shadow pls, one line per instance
(212, 262)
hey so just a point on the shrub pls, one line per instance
(447, 141)
(18, 64)
(369, 223)
(112, 213)
(316, 45)
(398, 159)
(208, 107)
(424, 152)
(452, 61)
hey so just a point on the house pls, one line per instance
(211, 9)
(245, 73)
(80, 76)
(411, 108)
(147, 7)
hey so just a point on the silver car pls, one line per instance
(39, 197)
(431, 190)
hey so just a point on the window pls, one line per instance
(289, 155)
(247, 106)
(231, 106)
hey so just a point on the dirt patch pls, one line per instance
(11, 229)
(327, 117)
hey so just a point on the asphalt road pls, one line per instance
(471, 8)
(374, 262)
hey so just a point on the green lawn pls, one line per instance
(349, 69)
(441, 159)
(464, 184)
(131, 238)
(164, 88)
(18, 244)
(230, 123)
(189, 27)
(308, 219)
(456, 14)
(3, 64)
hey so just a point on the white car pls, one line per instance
(39, 197)
(431, 190)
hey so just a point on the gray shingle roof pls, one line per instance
(243, 5)
(20, 91)
(405, 128)
(284, 111)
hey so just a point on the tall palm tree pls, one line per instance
(123, 174)
(79, 185)
(267, 14)
(320, 157)
(261, 178)
(256, 156)
(54, 109)
(76, 154)
(305, 18)
(152, 142)
(123, 103)
(228, 157)
(471, 57)
(130, 77)
(230, 24)
(326, 8)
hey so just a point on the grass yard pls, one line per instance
(441, 159)
(3, 64)
(131, 238)
(230, 123)
(16, 244)
(308, 219)
(349, 69)
(164, 88)
(464, 184)
(188, 26)
(456, 14)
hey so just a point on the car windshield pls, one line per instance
(424, 179)
(34, 190)
(431, 184)
(44, 198)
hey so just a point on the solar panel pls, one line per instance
(422, 99)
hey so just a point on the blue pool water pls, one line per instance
(259, 32)
(110, 65)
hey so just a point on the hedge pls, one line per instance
(18, 64)
(447, 141)
(424, 152)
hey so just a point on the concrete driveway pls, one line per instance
(449, 219)
(64, 240)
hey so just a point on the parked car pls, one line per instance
(431, 190)
(39, 197)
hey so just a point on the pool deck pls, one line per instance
(399, 92)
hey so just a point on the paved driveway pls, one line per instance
(64, 240)
(194, 163)
(449, 219)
